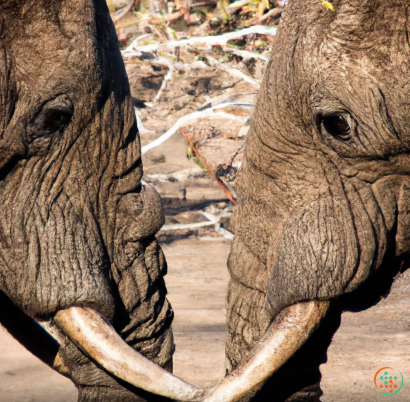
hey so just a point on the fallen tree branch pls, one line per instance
(166, 79)
(141, 128)
(233, 71)
(244, 53)
(225, 233)
(274, 13)
(210, 40)
(208, 168)
(229, 99)
(184, 121)
(179, 226)
(237, 5)
(229, 104)
(121, 13)
(212, 220)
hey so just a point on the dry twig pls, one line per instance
(208, 168)
(185, 120)
(121, 13)
(233, 71)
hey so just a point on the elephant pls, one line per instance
(77, 227)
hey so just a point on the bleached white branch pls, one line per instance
(238, 4)
(179, 226)
(121, 13)
(245, 53)
(210, 40)
(166, 79)
(141, 128)
(184, 121)
(233, 72)
(230, 104)
(212, 220)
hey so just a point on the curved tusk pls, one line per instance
(98, 339)
(288, 332)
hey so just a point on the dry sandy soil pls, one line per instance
(197, 281)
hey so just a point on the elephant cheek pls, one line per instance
(316, 258)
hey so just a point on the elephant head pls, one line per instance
(322, 222)
(77, 228)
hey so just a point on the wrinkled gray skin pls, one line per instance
(76, 227)
(322, 216)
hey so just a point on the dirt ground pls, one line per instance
(197, 281)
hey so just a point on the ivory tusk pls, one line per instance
(98, 339)
(288, 332)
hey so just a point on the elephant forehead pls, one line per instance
(372, 36)
(51, 45)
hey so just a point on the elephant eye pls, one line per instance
(56, 118)
(336, 125)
